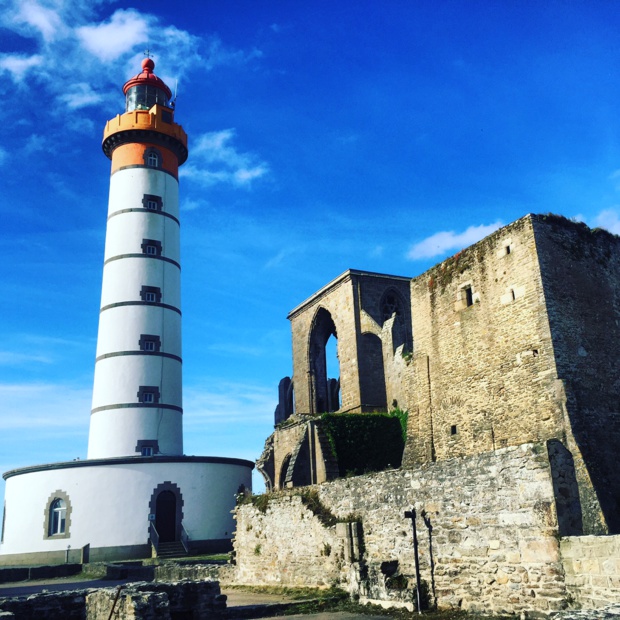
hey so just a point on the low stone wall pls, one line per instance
(486, 525)
(136, 601)
(592, 570)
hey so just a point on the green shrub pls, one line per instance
(366, 442)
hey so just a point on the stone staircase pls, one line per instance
(171, 550)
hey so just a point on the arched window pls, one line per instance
(152, 157)
(57, 515)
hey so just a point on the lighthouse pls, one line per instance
(137, 494)
(137, 393)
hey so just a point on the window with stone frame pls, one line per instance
(148, 394)
(152, 157)
(152, 202)
(150, 294)
(57, 516)
(147, 447)
(150, 343)
(151, 247)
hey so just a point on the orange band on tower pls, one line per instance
(135, 153)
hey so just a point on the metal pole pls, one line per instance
(410, 514)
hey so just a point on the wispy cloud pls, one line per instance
(41, 405)
(72, 41)
(10, 358)
(228, 404)
(449, 240)
(220, 162)
(608, 219)
(118, 35)
(18, 65)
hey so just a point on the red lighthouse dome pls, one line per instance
(145, 90)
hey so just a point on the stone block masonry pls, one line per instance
(136, 601)
(488, 540)
(592, 568)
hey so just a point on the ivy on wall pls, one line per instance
(366, 442)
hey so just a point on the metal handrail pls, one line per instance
(184, 538)
(154, 536)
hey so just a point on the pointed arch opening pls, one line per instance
(324, 376)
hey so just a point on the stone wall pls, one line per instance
(580, 271)
(592, 568)
(484, 374)
(354, 308)
(487, 542)
(136, 601)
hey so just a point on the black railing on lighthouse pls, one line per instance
(154, 536)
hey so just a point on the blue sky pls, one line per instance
(324, 135)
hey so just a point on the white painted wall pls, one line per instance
(110, 503)
(115, 432)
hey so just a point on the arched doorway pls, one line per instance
(166, 510)
(166, 516)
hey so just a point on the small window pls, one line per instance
(149, 342)
(151, 247)
(147, 447)
(58, 517)
(150, 294)
(148, 394)
(507, 249)
(152, 158)
(469, 296)
(512, 292)
(453, 430)
(152, 202)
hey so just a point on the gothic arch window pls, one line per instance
(152, 158)
(392, 305)
(325, 390)
(57, 516)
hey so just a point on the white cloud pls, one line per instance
(46, 22)
(230, 402)
(608, 219)
(119, 35)
(10, 358)
(220, 162)
(19, 65)
(446, 241)
(41, 405)
(87, 51)
(81, 95)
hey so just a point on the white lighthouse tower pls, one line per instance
(136, 494)
(137, 395)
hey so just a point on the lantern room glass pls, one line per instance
(144, 97)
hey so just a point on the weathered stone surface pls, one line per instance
(592, 569)
(135, 601)
(485, 525)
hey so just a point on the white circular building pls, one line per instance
(136, 494)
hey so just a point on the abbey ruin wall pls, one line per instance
(580, 271)
(493, 539)
(484, 369)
